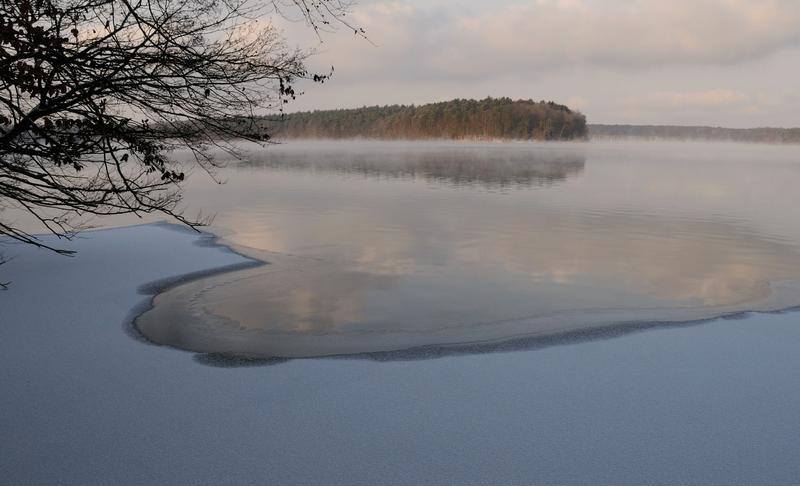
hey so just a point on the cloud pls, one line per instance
(693, 107)
(442, 41)
(694, 99)
(638, 33)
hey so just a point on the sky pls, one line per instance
(733, 63)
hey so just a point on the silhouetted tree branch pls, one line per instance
(4, 285)
(95, 93)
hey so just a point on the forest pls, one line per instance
(460, 119)
(687, 133)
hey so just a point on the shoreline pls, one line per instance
(525, 343)
(153, 288)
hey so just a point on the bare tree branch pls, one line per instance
(95, 93)
(3, 260)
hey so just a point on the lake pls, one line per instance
(464, 236)
(431, 248)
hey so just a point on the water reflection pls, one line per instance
(380, 263)
(491, 167)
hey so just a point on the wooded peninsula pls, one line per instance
(460, 119)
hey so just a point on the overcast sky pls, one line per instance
(712, 62)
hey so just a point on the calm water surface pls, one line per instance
(387, 246)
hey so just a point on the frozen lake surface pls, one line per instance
(84, 403)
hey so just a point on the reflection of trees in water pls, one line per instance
(462, 167)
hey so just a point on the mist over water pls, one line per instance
(386, 246)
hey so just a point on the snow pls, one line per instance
(81, 402)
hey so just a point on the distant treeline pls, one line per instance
(668, 132)
(490, 118)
